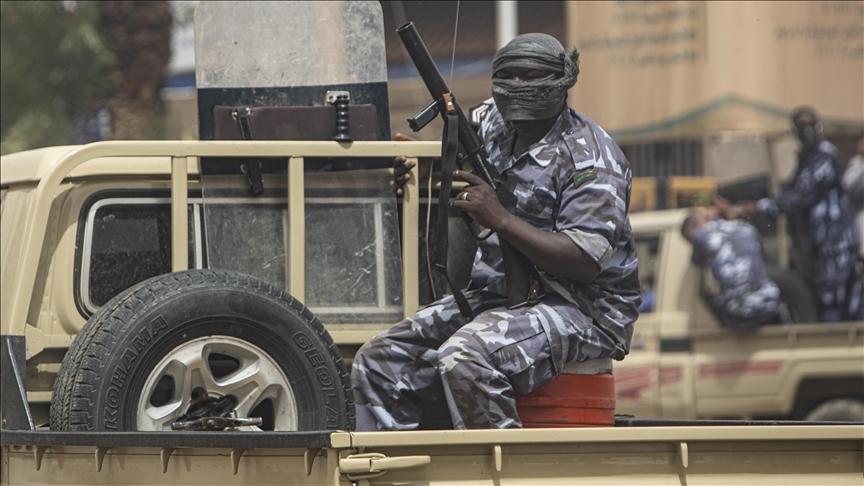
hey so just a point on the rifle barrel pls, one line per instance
(517, 268)
(422, 60)
(469, 140)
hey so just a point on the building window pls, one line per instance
(665, 158)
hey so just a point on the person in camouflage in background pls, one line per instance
(816, 196)
(731, 249)
(572, 184)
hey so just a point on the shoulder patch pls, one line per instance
(478, 113)
(584, 176)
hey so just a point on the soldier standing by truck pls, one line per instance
(572, 185)
(853, 183)
(815, 193)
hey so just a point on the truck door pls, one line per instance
(677, 292)
(636, 380)
(738, 374)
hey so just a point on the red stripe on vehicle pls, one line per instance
(738, 367)
(634, 383)
(670, 374)
(633, 375)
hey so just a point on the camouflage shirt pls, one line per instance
(575, 181)
(815, 197)
(733, 251)
(816, 193)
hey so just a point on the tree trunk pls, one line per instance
(139, 35)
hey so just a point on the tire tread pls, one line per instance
(79, 375)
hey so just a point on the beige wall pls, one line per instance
(644, 63)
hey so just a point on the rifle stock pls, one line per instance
(519, 273)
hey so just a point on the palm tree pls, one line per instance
(54, 66)
(139, 35)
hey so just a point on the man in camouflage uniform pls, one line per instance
(816, 196)
(572, 185)
(731, 249)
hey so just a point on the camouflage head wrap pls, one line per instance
(534, 99)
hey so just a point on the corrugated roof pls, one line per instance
(731, 113)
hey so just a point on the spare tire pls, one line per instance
(193, 343)
(795, 293)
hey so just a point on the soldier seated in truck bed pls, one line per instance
(731, 249)
(572, 183)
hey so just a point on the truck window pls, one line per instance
(247, 237)
(126, 241)
(647, 248)
(349, 275)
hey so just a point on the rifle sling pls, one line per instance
(450, 139)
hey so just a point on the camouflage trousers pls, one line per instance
(838, 287)
(476, 368)
(744, 308)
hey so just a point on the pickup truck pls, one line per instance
(88, 364)
(684, 364)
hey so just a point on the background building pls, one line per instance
(686, 88)
(706, 87)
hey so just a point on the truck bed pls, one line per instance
(639, 452)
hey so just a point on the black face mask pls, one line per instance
(533, 99)
(808, 135)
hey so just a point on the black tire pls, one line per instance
(795, 293)
(101, 378)
(838, 410)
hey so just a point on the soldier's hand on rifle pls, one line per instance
(479, 201)
(402, 166)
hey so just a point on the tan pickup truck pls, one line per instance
(685, 365)
(81, 224)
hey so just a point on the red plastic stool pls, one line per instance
(582, 396)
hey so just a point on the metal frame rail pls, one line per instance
(180, 153)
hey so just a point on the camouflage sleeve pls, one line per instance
(700, 255)
(592, 209)
(810, 185)
(768, 207)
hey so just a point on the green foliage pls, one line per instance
(54, 66)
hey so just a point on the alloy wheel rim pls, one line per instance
(216, 367)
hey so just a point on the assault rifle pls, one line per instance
(461, 143)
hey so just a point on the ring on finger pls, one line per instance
(463, 196)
